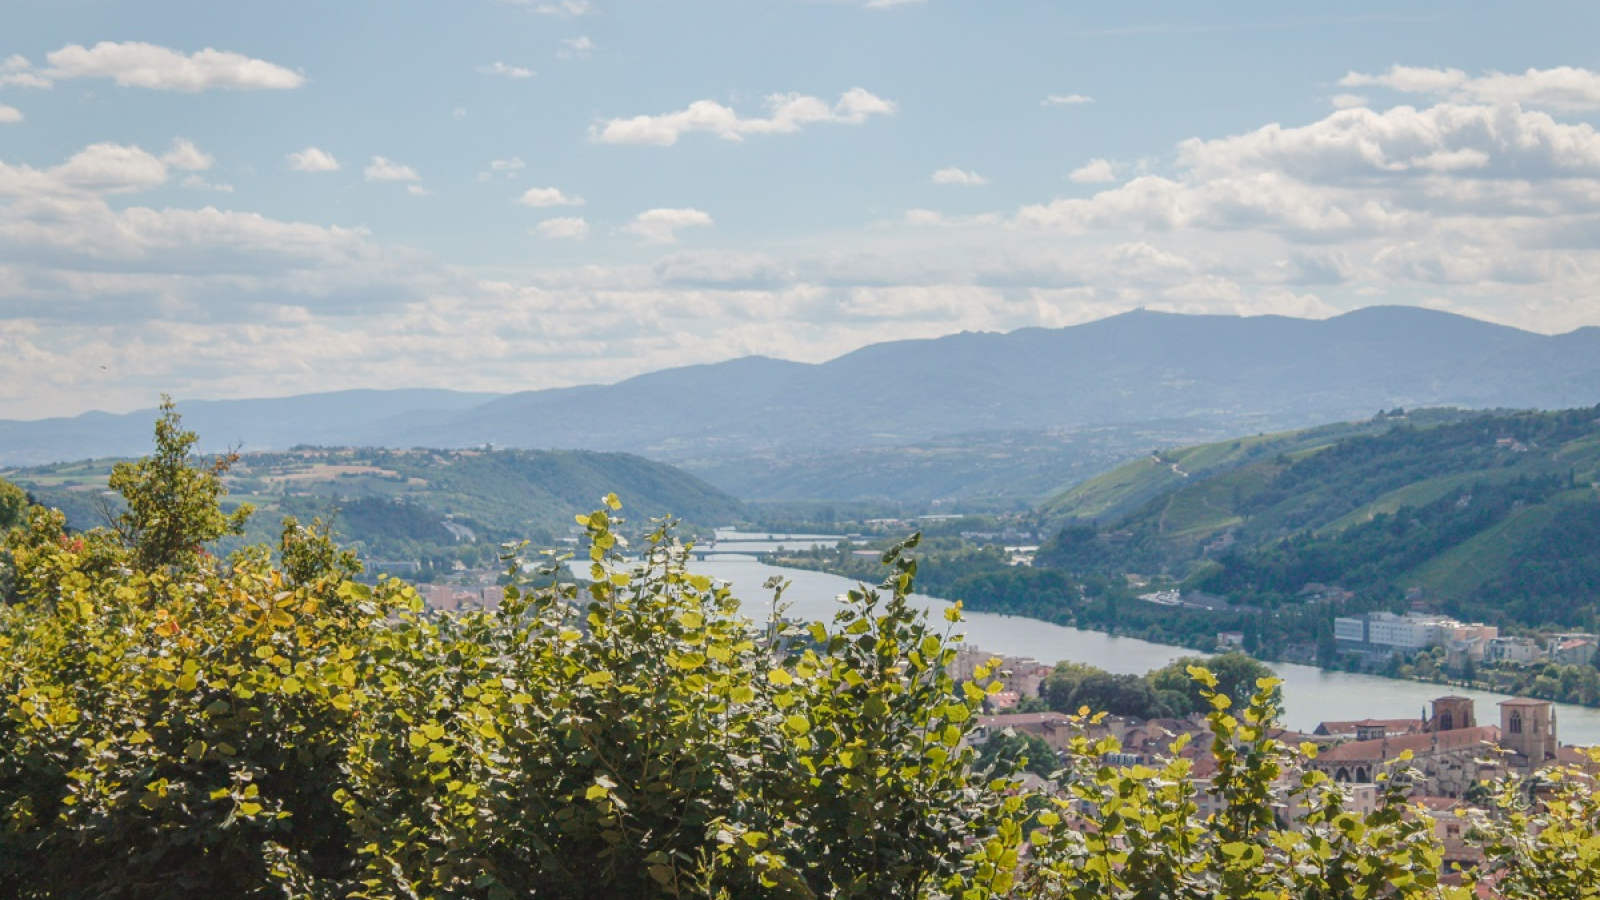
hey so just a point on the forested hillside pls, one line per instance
(1490, 516)
(437, 506)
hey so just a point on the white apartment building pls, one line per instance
(1410, 632)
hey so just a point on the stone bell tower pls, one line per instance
(1528, 729)
(1452, 714)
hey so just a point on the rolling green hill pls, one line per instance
(1493, 516)
(444, 505)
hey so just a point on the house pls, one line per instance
(1573, 651)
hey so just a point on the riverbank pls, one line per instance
(1311, 695)
(1288, 636)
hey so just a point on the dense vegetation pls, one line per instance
(426, 510)
(172, 726)
(1492, 517)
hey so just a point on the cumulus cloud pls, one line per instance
(787, 113)
(312, 159)
(1357, 171)
(924, 218)
(197, 183)
(16, 71)
(9, 114)
(572, 228)
(953, 175)
(1095, 171)
(660, 226)
(564, 8)
(185, 155)
(384, 169)
(1347, 101)
(500, 68)
(507, 168)
(539, 198)
(1564, 87)
(1066, 100)
(138, 64)
(96, 170)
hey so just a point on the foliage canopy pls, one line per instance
(175, 727)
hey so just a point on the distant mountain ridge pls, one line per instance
(1270, 370)
(1210, 375)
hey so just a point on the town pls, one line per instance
(1447, 757)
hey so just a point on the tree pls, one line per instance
(1011, 750)
(280, 730)
(1236, 674)
(173, 507)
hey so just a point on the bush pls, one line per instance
(175, 727)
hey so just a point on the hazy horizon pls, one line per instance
(230, 201)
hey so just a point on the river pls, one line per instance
(1311, 695)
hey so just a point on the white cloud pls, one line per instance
(137, 64)
(312, 159)
(16, 71)
(953, 175)
(197, 183)
(9, 114)
(383, 169)
(576, 48)
(1358, 172)
(928, 218)
(96, 170)
(1095, 171)
(660, 226)
(1564, 87)
(539, 198)
(1347, 101)
(787, 113)
(507, 168)
(185, 155)
(880, 4)
(573, 228)
(500, 68)
(563, 8)
(1066, 100)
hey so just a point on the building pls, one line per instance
(1511, 650)
(1449, 754)
(1452, 752)
(1528, 732)
(1370, 729)
(1572, 650)
(1408, 633)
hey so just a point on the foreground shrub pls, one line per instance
(176, 727)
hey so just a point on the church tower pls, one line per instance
(1528, 729)
(1452, 714)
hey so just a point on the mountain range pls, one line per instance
(775, 429)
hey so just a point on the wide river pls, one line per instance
(1311, 695)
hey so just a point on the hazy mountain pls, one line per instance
(337, 418)
(1267, 371)
(731, 422)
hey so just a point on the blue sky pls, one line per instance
(254, 199)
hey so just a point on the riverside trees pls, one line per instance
(172, 726)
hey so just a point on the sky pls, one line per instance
(252, 198)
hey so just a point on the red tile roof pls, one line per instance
(1386, 749)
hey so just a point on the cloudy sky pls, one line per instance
(258, 198)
